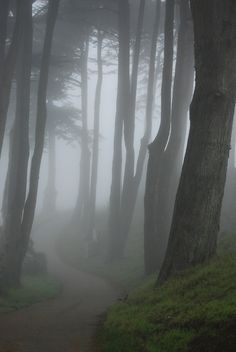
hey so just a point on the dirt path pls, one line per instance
(66, 324)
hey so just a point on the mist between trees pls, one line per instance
(94, 122)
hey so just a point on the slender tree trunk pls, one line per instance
(157, 148)
(4, 4)
(172, 160)
(195, 224)
(82, 208)
(10, 160)
(135, 68)
(7, 66)
(9, 261)
(127, 199)
(122, 113)
(129, 122)
(50, 191)
(95, 158)
(130, 194)
(41, 119)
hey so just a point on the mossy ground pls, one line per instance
(195, 311)
(32, 290)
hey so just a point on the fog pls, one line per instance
(117, 160)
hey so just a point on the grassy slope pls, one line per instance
(194, 312)
(33, 290)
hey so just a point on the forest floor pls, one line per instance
(66, 324)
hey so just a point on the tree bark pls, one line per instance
(228, 221)
(157, 148)
(135, 68)
(131, 191)
(95, 158)
(122, 113)
(51, 191)
(18, 164)
(129, 122)
(195, 225)
(233, 145)
(3, 32)
(82, 207)
(30, 204)
(171, 163)
(7, 66)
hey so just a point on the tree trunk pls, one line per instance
(228, 221)
(172, 160)
(7, 67)
(195, 225)
(82, 207)
(128, 192)
(18, 164)
(122, 113)
(129, 121)
(41, 119)
(10, 160)
(3, 37)
(3, 32)
(157, 148)
(95, 158)
(50, 191)
(131, 192)
(233, 145)
(135, 68)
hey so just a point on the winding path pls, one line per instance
(66, 324)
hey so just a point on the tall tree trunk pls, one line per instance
(228, 221)
(127, 199)
(95, 158)
(41, 119)
(122, 113)
(82, 207)
(7, 65)
(3, 32)
(172, 160)
(195, 224)
(3, 37)
(157, 148)
(131, 191)
(135, 69)
(233, 145)
(50, 191)
(9, 261)
(129, 121)
(10, 160)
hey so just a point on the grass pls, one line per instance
(33, 290)
(194, 312)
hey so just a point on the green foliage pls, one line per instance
(32, 290)
(180, 316)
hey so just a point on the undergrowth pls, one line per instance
(32, 290)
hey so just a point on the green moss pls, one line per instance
(189, 309)
(32, 290)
